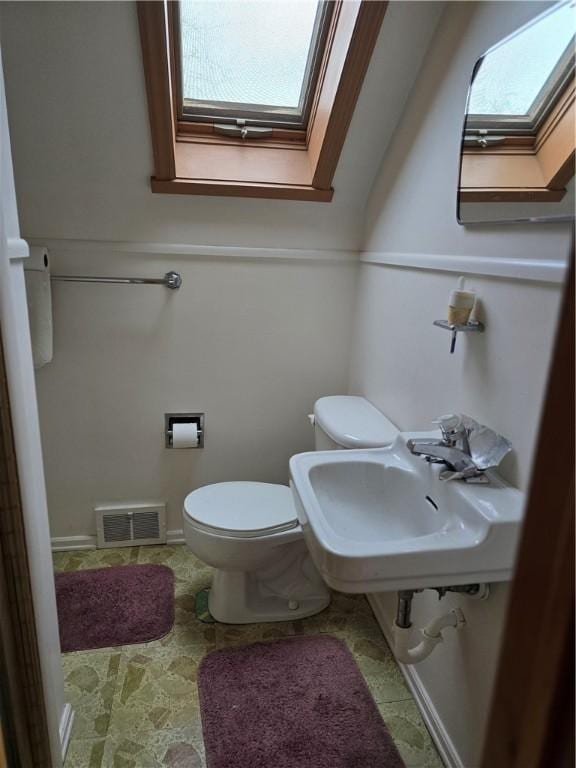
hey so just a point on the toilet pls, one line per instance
(250, 534)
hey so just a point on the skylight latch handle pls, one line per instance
(242, 130)
(483, 139)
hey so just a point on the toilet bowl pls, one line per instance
(250, 534)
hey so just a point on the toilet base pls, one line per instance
(226, 610)
(283, 591)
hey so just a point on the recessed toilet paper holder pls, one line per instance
(170, 419)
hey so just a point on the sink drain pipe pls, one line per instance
(431, 634)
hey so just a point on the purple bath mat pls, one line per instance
(114, 606)
(293, 703)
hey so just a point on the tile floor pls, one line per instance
(137, 705)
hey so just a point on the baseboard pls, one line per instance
(69, 543)
(64, 543)
(440, 736)
(66, 723)
(175, 537)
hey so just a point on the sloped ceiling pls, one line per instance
(80, 135)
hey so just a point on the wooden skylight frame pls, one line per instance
(189, 158)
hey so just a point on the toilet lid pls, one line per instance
(242, 509)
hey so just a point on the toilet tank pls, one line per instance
(348, 421)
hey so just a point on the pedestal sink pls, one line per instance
(381, 519)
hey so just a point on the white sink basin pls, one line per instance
(381, 519)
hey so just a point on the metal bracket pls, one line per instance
(472, 326)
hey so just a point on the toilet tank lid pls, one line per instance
(353, 422)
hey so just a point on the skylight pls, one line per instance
(249, 59)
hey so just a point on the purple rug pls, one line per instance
(114, 606)
(293, 703)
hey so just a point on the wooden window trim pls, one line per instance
(191, 160)
(514, 172)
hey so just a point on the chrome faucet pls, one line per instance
(453, 450)
(455, 433)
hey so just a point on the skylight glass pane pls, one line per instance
(245, 51)
(511, 77)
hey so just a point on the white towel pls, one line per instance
(39, 299)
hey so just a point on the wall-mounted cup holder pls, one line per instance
(472, 326)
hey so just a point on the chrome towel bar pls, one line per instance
(171, 279)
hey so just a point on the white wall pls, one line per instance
(402, 363)
(250, 341)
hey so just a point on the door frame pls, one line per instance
(25, 724)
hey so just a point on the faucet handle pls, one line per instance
(450, 425)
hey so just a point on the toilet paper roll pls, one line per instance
(185, 435)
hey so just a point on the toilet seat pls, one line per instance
(241, 509)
